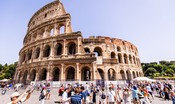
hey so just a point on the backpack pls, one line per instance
(103, 96)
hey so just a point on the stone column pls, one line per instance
(52, 51)
(56, 30)
(37, 77)
(77, 72)
(62, 73)
(41, 53)
(46, 32)
(64, 47)
(78, 45)
(94, 70)
(48, 75)
(68, 27)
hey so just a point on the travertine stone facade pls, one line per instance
(52, 51)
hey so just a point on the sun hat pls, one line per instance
(15, 94)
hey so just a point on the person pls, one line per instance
(42, 95)
(127, 96)
(94, 94)
(76, 98)
(111, 96)
(135, 95)
(61, 90)
(173, 96)
(48, 92)
(65, 98)
(102, 96)
(16, 98)
(119, 95)
(83, 94)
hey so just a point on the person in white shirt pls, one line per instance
(102, 96)
(111, 96)
(65, 98)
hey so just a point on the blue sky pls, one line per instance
(149, 24)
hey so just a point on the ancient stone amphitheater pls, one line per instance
(52, 51)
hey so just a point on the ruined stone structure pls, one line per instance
(52, 51)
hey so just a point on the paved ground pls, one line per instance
(4, 99)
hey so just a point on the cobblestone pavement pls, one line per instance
(54, 97)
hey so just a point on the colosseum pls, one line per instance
(53, 52)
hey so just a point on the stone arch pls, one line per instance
(122, 73)
(137, 74)
(37, 52)
(29, 55)
(112, 55)
(120, 58)
(111, 74)
(71, 48)
(87, 50)
(128, 73)
(134, 75)
(125, 59)
(33, 75)
(85, 74)
(118, 49)
(62, 29)
(56, 74)
(134, 60)
(46, 52)
(19, 77)
(98, 51)
(23, 57)
(24, 80)
(52, 32)
(43, 74)
(59, 49)
(140, 74)
(70, 74)
(130, 59)
(101, 72)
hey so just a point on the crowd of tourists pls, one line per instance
(89, 93)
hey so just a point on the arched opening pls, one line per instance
(70, 74)
(134, 60)
(140, 74)
(134, 75)
(87, 50)
(24, 80)
(59, 49)
(100, 71)
(20, 75)
(112, 55)
(33, 75)
(52, 32)
(47, 51)
(72, 48)
(30, 55)
(122, 73)
(23, 57)
(56, 74)
(86, 74)
(62, 30)
(120, 58)
(98, 51)
(111, 75)
(125, 59)
(37, 53)
(137, 74)
(128, 73)
(130, 59)
(43, 74)
(118, 49)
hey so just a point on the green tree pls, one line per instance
(150, 71)
(170, 72)
(159, 68)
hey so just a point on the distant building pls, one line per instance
(52, 51)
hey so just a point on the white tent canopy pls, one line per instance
(4, 80)
(143, 79)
